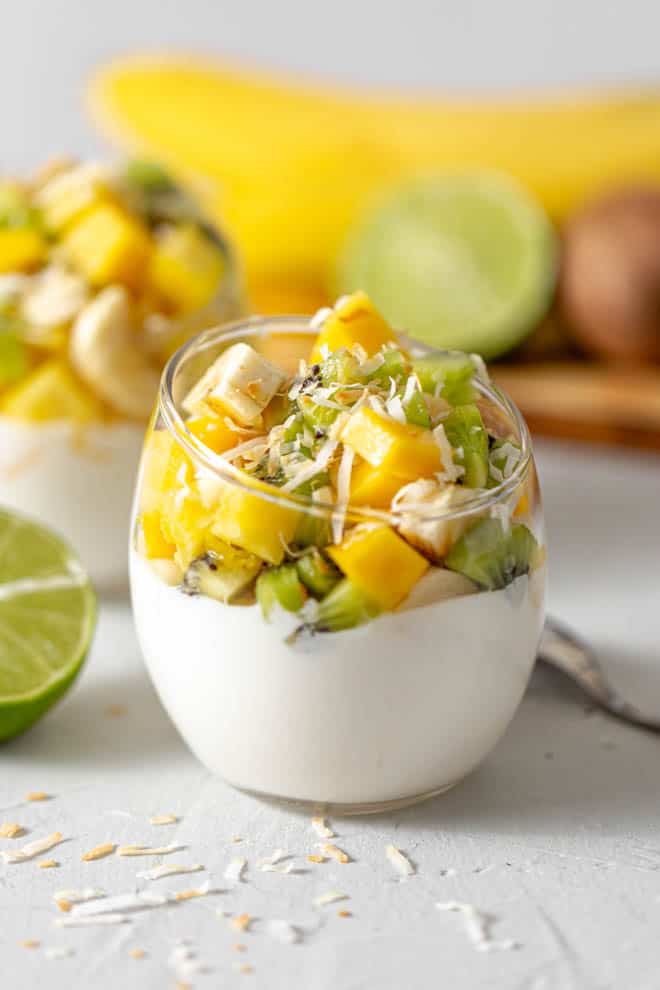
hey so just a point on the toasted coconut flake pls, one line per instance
(275, 857)
(147, 850)
(37, 796)
(137, 953)
(98, 852)
(94, 919)
(331, 897)
(336, 852)
(30, 943)
(236, 838)
(401, 863)
(314, 858)
(235, 870)
(344, 914)
(450, 470)
(478, 927)
(120, 903)
(322, 828)
(244, 968)
(10, 830)
(64, 905)
(239, 947)
(32, 849)
(189, 895)
(163, 820)
(283, 931)
(241, 922)
(279, 868)
(59, 952)
(48, 864)
(79, 896)
(168, 870)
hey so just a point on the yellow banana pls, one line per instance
(288, 166)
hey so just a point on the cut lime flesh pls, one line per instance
(47, 619)
(465, 262)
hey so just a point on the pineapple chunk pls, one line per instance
(64, 197)
(158, 447)
(240, 383)
(51, 391)
(354, 320)
(155, 546)
(107, 245)
(186, 268)
(253, 523)
(213, 432)
(185, 518)
(21, 249)
(373, 486)
(380, 563)
(400, 449)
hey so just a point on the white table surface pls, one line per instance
(557, 834)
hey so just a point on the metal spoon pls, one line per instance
(562, 649)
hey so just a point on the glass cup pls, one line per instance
(379, 716)
(78, 476)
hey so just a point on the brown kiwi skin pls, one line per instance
(609, 289)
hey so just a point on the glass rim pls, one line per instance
(226, 471)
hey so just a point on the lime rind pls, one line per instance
(460, 261)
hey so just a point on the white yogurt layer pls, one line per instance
(404, 705)
(78, 480)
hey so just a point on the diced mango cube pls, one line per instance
(522, 508)
(373, 486)
(65, 196)
(156, 455)
(51, 391)
(213, 432)
(401, 449)
(186, 268)
(21, 249)
(185, 518)
(380, 563)
(254, 523)
(107, 245)
(355, 321)
(156, 547)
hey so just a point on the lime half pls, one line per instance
(47, 618)
(465, 262)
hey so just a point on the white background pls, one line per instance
(564, 814)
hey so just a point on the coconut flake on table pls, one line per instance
(322, 829)
(120, 903)
(148, 850)
(59, 952)
(399, 861)
(163, 820)
(32, 849)
(168, 870)
(94, 919)
(478, 927)
(235, 870)
(283, 931)
(79, 896)
(331, 897)
(188, 895)
(271, 860)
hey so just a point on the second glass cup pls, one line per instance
(355, 632)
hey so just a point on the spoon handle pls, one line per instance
(561, 648)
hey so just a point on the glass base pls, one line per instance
(338, 809)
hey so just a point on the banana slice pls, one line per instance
(103, 350)
(240, 383)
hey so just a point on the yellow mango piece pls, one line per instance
(21, 249)
(70, 192)
(50, 392)
(380, 563)
(522, 508)
(254, 523)
(156, 455)
(355, 321)
(155, 546)
(186, 268)
(408, 452)
(213, 432)
(107, 245)
(185, 518)
(373, 486)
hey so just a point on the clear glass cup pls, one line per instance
(78, 477)
(391, 712)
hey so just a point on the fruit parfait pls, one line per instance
(104, 271)
(337, 563)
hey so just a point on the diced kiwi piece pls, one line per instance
(14, 359)
(416, 410)
(318, 574)
(312, 531)
(394, 366)
(466, 433)
(221, 575)
(340, 367)
(320, 480)
(315, 416)
(148, 176)
(344, 607)
(280, 586)
(450, 375)
(493, 555)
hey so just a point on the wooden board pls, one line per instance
(581, 400)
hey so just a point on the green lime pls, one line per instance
(460, 261)
(47, 618)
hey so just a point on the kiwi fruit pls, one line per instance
(280, 586)
(345, 607)
(317, 574)
(466, 433)
(449, 374)
(491, 555)
(220, 575)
